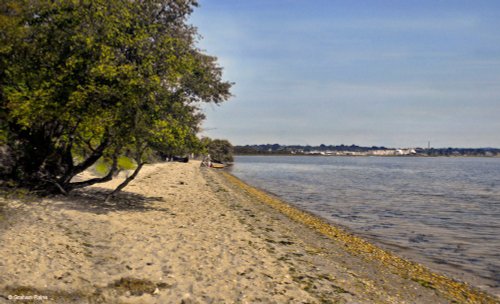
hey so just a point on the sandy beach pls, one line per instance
(184, 234)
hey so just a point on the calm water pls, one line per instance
(442, 212)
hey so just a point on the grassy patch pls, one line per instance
(101, 168)
(136, 287)
(11, 191)
(126, 163)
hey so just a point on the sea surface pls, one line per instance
(441, 212)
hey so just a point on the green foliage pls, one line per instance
(88, 80)
(126, 163)
(102, 168)
(219, 149)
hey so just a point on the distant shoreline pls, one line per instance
(398, 156)
(354, 150)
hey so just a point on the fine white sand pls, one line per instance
(181, 234)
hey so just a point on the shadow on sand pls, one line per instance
(92, 200)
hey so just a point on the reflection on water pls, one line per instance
(443, 212)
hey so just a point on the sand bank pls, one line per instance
(185, 234)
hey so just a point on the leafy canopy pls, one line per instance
(83, 80)
(220, 150)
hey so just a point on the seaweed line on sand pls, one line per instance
(455, 291)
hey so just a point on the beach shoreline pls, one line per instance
(181, 233)
(360, 245)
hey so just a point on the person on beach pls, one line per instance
(207, 161)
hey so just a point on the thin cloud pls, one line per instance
(376, 73)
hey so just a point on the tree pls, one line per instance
(219, 149)
(96, 79)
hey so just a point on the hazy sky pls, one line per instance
(392, 73)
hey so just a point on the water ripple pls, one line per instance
(443, 212)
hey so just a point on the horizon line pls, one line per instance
(367, 146)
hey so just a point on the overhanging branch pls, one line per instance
(106, 178)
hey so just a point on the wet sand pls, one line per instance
(184, 234)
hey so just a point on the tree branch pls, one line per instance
(92, 158)
(59, 187)
(96, 154)
(106, 178)
(125, 182)
(140, 164)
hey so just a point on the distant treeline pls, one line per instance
(283, 149)
(458, 152)
(277, 149)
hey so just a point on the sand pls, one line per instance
(184, 234)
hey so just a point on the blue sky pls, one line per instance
(392, 73)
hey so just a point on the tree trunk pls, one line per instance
(125, 182)
(77, 185)
(74, 170)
